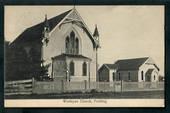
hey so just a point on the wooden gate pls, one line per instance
(18, 87)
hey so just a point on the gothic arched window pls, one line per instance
(77, 46)
(84, 69)
(72, 37)
(72, 44)
(72, 34)
(67, 44)
(71, 68)
(72, 41)
(141, 75)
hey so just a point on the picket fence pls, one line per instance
(32, 86)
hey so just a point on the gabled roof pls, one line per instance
(35, 32)
(63, 56)
(111, 66)
(130, 64)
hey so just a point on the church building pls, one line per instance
(130, 70)
(64, 45)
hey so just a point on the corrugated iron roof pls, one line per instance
(130, 64)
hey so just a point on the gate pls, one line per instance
(118, 86)
(18, 87)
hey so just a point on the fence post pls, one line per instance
(121, 85)
(33, 84)
(114, 86)
(85, 83)
(62, 85)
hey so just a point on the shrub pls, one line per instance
(93, 91)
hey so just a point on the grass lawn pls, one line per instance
(95, 95)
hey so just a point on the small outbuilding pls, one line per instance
(132, 70)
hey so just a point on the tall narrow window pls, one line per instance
(129, 76)
(72, 34)
(71, 68)
(77, 46)
(72, 41)
(113, 76)
(72, 44)
(84, 69)
(148, 78)
(142, 75)
(154, 77)
(67, 45)
(119, 76)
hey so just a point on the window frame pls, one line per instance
(119, 78)
(129, 78)
(84, 69)
(142, 76)
(72, 68)
(72, 44)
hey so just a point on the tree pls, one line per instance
(161, 78)
(15, 63)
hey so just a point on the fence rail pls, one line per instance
(41, 87)
(117, 86)
(19, 87)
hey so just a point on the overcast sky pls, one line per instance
(125, 31)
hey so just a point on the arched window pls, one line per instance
(72, 44)
(71, 68)
(72, 38)
(72, 41)
(72, 34)
(113, 76)
(148, 78)
(119, 77)
(77, 46)
(141, 75)
(129, 76)
(67, 44)
(84, 69)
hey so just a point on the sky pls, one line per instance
(125, 31)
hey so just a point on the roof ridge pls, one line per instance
(49, 19)
(133, 58)
(107, 64)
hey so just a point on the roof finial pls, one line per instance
(46, 16)
(96, 32)
(74, 4)
(46, 24)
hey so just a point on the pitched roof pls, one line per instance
(130, 64)
(35, 32)
(63, 56)
(111, 66)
